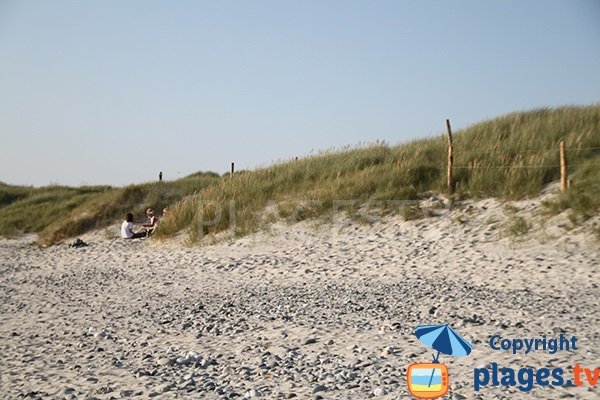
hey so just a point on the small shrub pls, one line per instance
(412, 212)
(519, 226)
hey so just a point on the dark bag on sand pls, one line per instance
(78, 243)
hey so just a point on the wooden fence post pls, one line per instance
(564, 171)
(450, 159)
(232, 169)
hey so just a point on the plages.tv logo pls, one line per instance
(429, 380)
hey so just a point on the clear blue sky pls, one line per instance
(111, 92)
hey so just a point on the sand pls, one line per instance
(311, 310)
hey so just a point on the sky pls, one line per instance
(112, 92)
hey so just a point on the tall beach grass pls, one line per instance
(513, 156)
(58, 212)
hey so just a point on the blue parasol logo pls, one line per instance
(444, 339)
(430, 380)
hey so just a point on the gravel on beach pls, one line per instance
(300, 311)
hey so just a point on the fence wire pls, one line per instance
(533, 151)
(509, 166)
(526, 151)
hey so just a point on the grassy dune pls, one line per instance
(58, 212)
(513, 156)
(24, 209)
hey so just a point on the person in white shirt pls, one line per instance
(127, 229)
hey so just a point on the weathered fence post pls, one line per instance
(232, 169)
(450, 158)
(564, 171)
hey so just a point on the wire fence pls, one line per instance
(536, 159)
(510, 166)
(534, 151)
(537, 152)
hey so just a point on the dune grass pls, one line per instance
(511, 157)
(58, 213)
(25, 210)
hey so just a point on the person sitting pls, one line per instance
(127, 229)
(153, 221)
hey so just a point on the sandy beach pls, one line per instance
(312, 310)
(312, 200)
